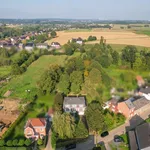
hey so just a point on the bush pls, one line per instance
(40, 142)
(27, 142)
(21, 142)
(15, 142)
(2, 142)
(9, 143)
(53, 140)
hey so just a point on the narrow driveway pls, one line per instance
(49, 146)
(130, 124)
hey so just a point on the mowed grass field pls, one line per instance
(28, 80)
(112, 37)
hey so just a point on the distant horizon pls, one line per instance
(73, 19)
(85, 9)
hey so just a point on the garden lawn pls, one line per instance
(38, 109)
(29, 79)
(4, 71)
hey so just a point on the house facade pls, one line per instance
(29, 46)
(42, 46)
(55, 45)
(127, 108)
(35, 128)
(74, 104)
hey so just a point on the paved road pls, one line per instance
(130, 124)
(87, 145)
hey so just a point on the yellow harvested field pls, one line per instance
(112, 37)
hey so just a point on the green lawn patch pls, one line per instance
(146, 32)
(29, 79)
(4, 71)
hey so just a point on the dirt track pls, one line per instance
(9, 113)
(112, 37)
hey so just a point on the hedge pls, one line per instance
(13, 125)
(13, 148)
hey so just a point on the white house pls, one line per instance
(55, 45)
(42, 45)
(74, 104)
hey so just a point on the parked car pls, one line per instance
(106, 133)
(117, 138)
(70, 146)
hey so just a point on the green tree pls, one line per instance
(81, 131)
(50, 78)
(115, 57)
(129, 55)
(21, 142)
(95, 76)
(95, 118)
(39, 141)
(27, 142)
(15, 142)
(138, 64)
(76, 79)
(53, 34)
(2, 142)
(64, 84)
(64, 125)
(58, 102)
(9, 143)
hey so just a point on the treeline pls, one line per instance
(5, 55)
(20, 65)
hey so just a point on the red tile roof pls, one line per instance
(37, 122)
(139, 78)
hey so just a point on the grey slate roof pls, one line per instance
(132, 140)
(140, 102)
(145, 90)
(129, 103)
(74, 100)
(143, 135)
(43, 44)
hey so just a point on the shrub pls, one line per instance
(15, 142)
(40, 142)
(2, 142)
(27, 142)
(21, 142)
(9, 143)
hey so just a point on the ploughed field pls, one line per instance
(112, 37)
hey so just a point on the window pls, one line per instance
(41, 129)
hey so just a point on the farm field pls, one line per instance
(112, 37)
(29, 79)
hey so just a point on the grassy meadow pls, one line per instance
(4, 71)
(28, 80)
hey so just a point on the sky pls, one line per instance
(76, 9)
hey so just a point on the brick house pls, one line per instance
(74, 104)
(35, 128)
(127, 108)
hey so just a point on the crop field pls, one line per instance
(28, 80)
(112, 37)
